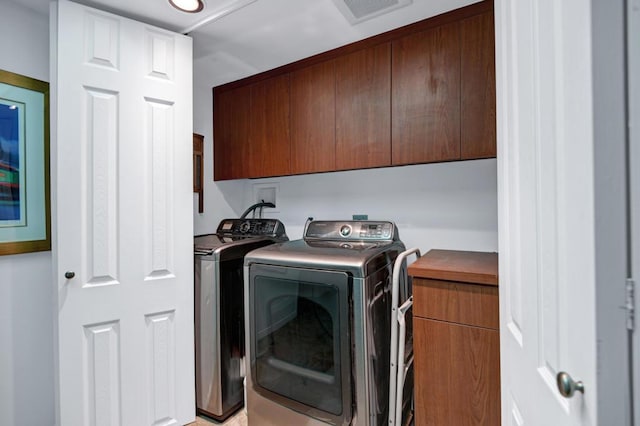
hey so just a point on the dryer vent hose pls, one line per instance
(256, 206)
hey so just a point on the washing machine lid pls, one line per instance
(212, 242)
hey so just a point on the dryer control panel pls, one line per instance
(353, 230)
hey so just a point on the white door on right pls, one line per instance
(546, 210)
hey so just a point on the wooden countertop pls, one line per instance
(452, 265)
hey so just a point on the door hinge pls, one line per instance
(630, 289)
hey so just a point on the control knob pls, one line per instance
(345, 230)
(245, 226)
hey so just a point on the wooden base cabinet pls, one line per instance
(456, 339)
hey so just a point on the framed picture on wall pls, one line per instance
(25, 218)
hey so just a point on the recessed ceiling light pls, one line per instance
(191, 6)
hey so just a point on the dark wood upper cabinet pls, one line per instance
(269, 128)
(313, 137)
(478, 87)
(422, 93)
(363, 113)
(231, 133)
(425, 96)
(251, 130)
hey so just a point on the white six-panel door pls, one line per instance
(546, 210)
(121, 141)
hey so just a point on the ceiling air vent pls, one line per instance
(357, 11)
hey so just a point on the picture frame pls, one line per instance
(25, 204)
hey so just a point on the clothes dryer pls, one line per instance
(318, 320)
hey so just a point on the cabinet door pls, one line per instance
(363, 115)
(198, 169)
(231, 133)
(478, 87)
(425, 96)
(269, 129)
(457, 374)
(313, 142)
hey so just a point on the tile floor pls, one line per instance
(238, 419)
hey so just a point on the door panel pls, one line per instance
(159, 173)
(161, 365)
(102, 346)
(122, 170)
(100, 158)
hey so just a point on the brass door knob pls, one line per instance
(567, 386)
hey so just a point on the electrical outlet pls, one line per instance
(267, 192)
(268, 195)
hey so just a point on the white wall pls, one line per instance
(446, 205)
(26, 334)
(614, 387)
(222, 199)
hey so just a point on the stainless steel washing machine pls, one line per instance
(219, 310)
(318, 315)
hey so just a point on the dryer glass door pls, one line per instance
(300, 340)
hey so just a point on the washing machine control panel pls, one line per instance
(359, 230)
(252, 227)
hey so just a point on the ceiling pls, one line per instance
(233, 39)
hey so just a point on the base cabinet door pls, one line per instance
(457, 374)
